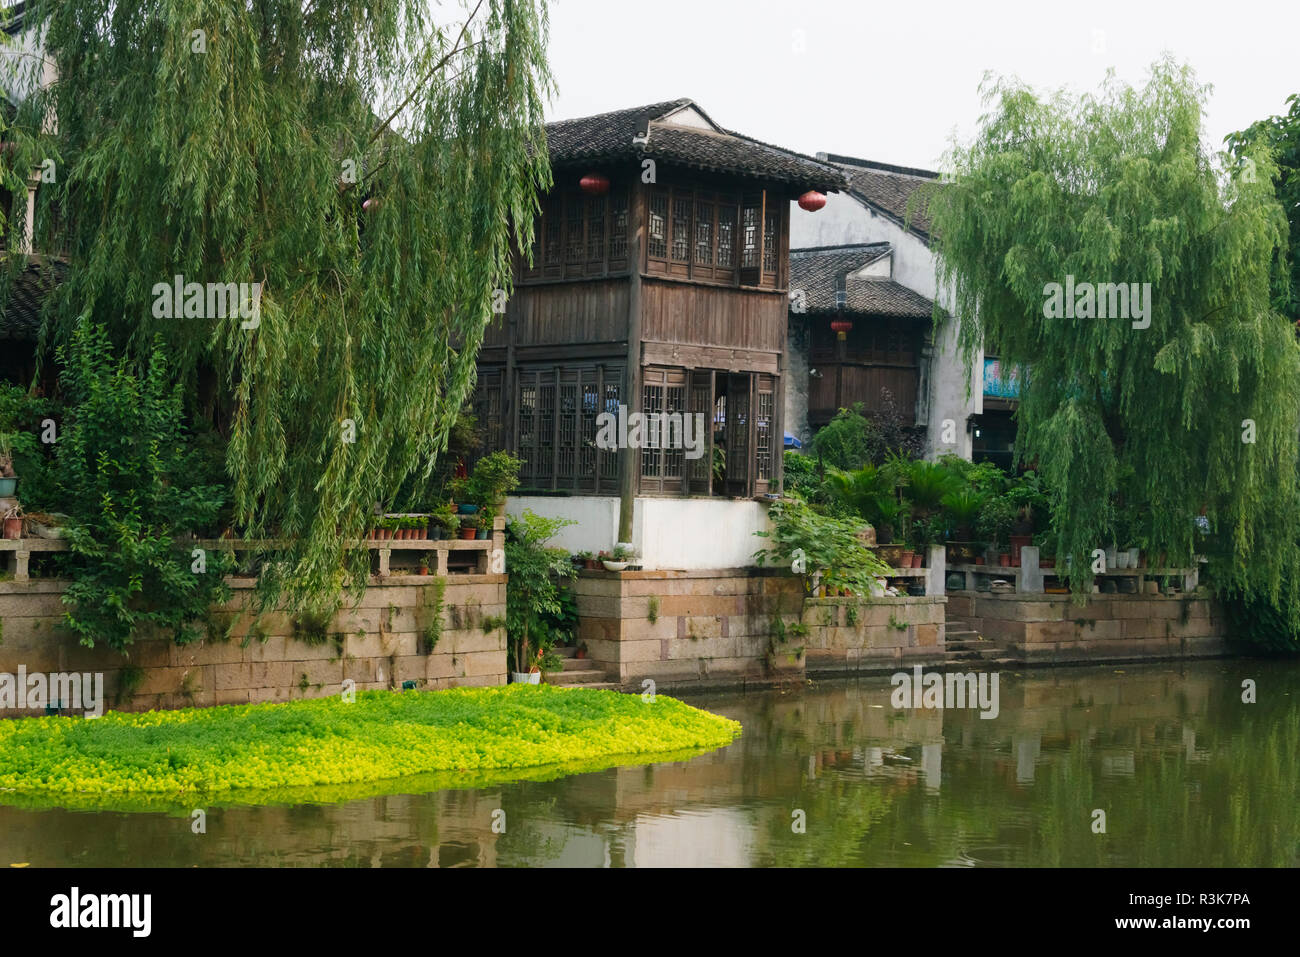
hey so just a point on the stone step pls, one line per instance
(579, 664)
(966, 644)
(584, 677)
(592, 686)
(565, 651)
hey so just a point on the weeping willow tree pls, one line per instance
(367, 164)
(1146, 427)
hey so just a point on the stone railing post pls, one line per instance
(1030, 579)
(936, 570)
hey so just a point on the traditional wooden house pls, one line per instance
(657, 283)
(872, 243)
(861, 332)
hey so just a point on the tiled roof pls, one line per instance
(817, 271)
(21, 319)
(888, 189)
(609, 136)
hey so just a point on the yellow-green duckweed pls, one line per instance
(327, 742)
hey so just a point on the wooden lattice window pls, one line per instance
(573, 231)
(727, 236)
(764, 425)
(771, 246)
(489, 402)
(749, 237)
(658, 225)
(682, 228)
(558, 409)
(618, 225)
(704, 234)
(663, 394)
(596, 229)
(554, 225)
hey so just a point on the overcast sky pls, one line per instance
(893, 81)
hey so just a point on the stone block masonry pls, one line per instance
(391, 637)
(740, 626)
(847, 635)
(695, 628)
(1051, 629)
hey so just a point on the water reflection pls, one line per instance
(1186, 773)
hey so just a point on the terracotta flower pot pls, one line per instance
(13, 528)
(424, 570)
(979, 559)
(467, 534)
(917, 559)
(1004, 560)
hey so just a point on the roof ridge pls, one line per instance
(839, 247)
(839, 159)
(660, 108)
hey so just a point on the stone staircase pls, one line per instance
(964, 646)
(578, 672)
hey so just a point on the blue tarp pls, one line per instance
(791, 442)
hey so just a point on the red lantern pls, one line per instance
(812, 200)
(841, 328)
(593, 184)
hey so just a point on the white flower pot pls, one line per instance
(614, 566)
(524, 678)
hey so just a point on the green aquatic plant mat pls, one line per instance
(457, 737)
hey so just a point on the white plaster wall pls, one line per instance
(686, 533)
(844, 220)
(667, 533)
(596, 515)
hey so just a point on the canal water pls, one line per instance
(1132, 765)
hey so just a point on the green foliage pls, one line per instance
(533, 593)
(963, 506)
(1280, 135)
(121, 474)
(802, 475)
(329, 741)
(811, 543)
(495, 476)
(20, 447)
(429, 615)
(311, 628)
(924, 484)
(996, 517)
(1118, 188)
(848, 441)
(652, 609)
(373, 166)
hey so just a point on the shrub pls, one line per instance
(122, 475)
(533, 593)
(811, 543)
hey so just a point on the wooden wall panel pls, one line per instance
(840, 386)
(714, 316)
(568, 313)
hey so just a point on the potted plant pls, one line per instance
(424, 564)
(495, 476)
(618, 559)
(468, 528)
(13, 522)
(533, 594)
(8, 478)
(464, 491)
(996, 518)
(443, 521)
(483, 523)
(962, 509)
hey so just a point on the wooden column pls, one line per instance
(629, 459)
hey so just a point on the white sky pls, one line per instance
(893, 81)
